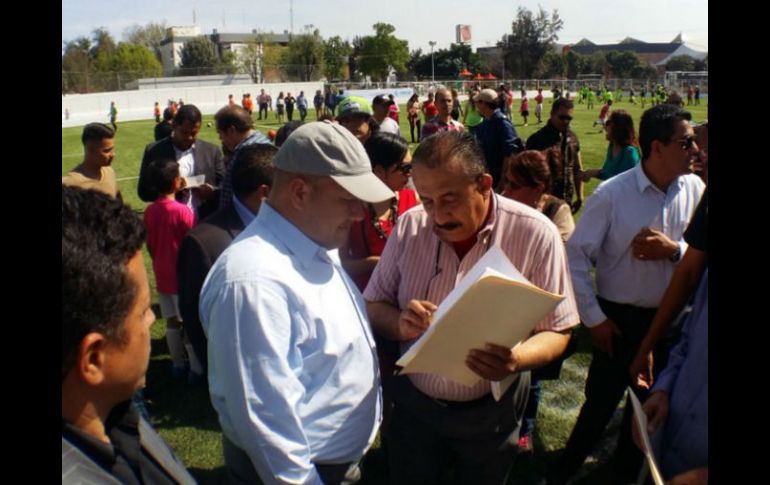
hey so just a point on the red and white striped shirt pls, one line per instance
(416, 264)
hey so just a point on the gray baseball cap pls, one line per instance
(329, 149)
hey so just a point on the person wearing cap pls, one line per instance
(355, 114)
(496, 134)
(381, 109)
(293, 371)
(435, 422)
(443, 120)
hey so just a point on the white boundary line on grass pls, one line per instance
(127, 178)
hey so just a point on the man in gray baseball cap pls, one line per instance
(293, 371)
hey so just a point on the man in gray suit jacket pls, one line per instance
(195, 157)
(201, 247)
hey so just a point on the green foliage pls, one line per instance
(622, 63)
(336, 53)
(149, 35)
(530, 39)
(448, 62)
(76, 66)
(249, 60)
(306, 55)
(381, 52)
(682, 63)
(552, 65)
(127, 62)
(198, 54)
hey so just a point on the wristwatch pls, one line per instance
(677, 255)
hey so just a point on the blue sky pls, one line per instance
(418, 21)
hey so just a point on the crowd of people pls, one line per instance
(294, 270)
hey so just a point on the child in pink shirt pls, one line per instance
(167, 222)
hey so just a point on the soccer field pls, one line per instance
(183, 413)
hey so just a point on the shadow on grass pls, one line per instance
(213, 476)
(174, 403)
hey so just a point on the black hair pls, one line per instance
(96, 132)
(386, 149)
(234, 116)
(188, 112)
(162, 173)
(283, 132)
(562, 103)
(99, 236)
(659, 123)
(254, 168)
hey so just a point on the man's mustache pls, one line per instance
(448, 226)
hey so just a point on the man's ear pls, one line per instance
(91, 358)
(485, 184)
(299, 192)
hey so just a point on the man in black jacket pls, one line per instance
(201, 247)
(195, 157)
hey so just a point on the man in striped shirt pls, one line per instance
(431, 248)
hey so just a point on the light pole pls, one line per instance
(432, 67)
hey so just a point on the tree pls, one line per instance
(575, 64)
(306, 54)
(357, 44)
(530, 39)
(551, 66)
(622, 63)
(336, 52)
(198, 54)
(681, 63)
(448, 62)
(76, 66)
(127, 63)
(150, 36)
(382, 52)
(644, 71)
(250, 60)
(103, 44)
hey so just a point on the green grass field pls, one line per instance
(183, 414)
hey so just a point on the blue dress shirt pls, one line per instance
(685, 438)
(293, 371)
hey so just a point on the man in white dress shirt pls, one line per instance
(632, 233)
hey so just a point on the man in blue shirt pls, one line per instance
(496, 134)
(293, 371)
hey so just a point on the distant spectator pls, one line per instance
(95, 171)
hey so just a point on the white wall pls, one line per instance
(138, 105)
